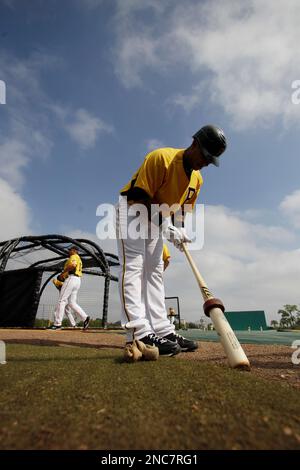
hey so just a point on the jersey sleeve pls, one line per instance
(152, 173)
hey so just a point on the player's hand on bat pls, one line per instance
(184, 239)
(177, 236)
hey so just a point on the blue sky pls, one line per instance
(92, 85)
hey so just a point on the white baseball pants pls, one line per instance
(70, 316)
(68, 297)
(141, 286)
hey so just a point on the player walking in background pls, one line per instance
(169, 176)
(59, 282)
(68, 294)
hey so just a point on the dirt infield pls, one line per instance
(268, 361)
(77, 337)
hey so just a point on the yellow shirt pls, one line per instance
(74, 259)
(163, 177)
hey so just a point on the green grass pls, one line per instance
(83, 398)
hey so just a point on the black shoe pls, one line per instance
(185, 344)
(86, 323)
(165, 346)
(54, 327)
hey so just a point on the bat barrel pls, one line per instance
(214, 308)
(234, 351)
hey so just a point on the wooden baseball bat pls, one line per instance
(214, 308)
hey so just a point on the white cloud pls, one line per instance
(153, 144)
(240, 238)
(246, 80)
(241, 57)
(134, 52)
(26, 135)
(81, 125)
(23, 83)
(17, 151)
(190, 101)
(137, 48)
(14, 157)
(290, 207)
(86, 128)
(14, 213)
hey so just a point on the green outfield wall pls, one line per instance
(253, 320)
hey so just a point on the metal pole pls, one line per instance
(105, 302)
(178, 309)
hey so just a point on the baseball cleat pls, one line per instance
(54, 327)
(164, 345)
(185, 344)
(86, 323)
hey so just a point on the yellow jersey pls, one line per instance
(162, 176)
(71, 261)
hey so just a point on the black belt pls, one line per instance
(72, 274)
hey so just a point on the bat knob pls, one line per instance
(212, 303)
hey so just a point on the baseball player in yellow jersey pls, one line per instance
(167, 176)
(69, 290)
(58, 282)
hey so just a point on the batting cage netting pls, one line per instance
(19, 294)
(27, 292)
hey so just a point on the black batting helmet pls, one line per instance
(212, 141)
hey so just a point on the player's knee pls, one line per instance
(134, 262)
(155, 265)
(73, 306)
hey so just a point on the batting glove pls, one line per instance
(177, 236)
(132, 353)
